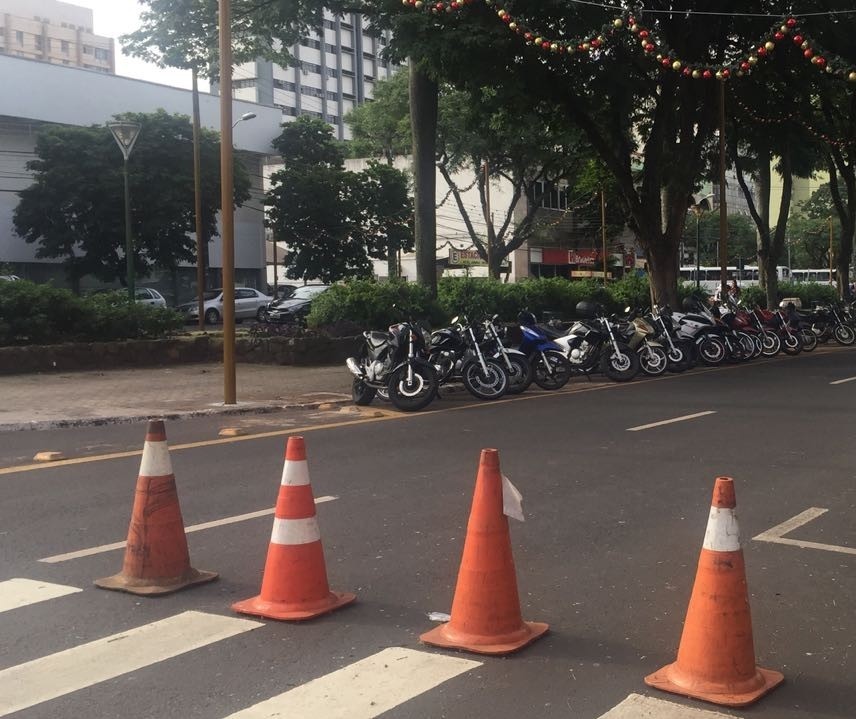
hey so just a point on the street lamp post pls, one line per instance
(126, 134)
(698, 209)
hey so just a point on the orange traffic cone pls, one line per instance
(716, 657)
(486, 609)
(294, 585)
(156, 557)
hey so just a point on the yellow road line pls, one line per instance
(399, 416)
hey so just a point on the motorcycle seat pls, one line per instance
(377, 339)
(550, 332)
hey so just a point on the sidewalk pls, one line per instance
(45, 401)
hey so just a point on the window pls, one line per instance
(308, 42)
(284, 85)
(552, 197)
(239, 84)
(19, 37)
(332, 72)
(63, 45)
(87, 50)
(347, 49)
(368, 56)
(310, 67)
(332, 95)
(368, 78)
(101, 54)
(311, 91)
(330, 24)
(39, 41)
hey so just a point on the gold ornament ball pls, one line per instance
(512, 26)
(852, 77)
(696, 74)
(586, 46)
(676, 65)
(419, 4)
(752, 60)
(770, 45)
(804, 46)
(618, 22)
(554, 47)
(634, 28)
(502, 13)
(784, 29)
(538, 40)
(719, 74)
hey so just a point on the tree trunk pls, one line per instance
(392, 263)
(663, 272)
(423, 125)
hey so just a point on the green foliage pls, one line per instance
(373, 305)
(808, 292)
(332, 220)
(381, 128)
(42, 314)
(75, 210)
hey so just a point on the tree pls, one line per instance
(75, 211)
(332, 220)
(381, 128)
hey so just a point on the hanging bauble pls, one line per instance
(596, 43)
(665, 62)
(502, 13)
(762, 52)
(696, 74)
(649, 47)
(719, 74)
(643, 34)
(418, 4)
(618, 22)
(784, 29)
(808, 53)
(744, 66)
(634, 28)
(791, 22)
(752, 60)
(527, 36)
(779, 36)
(586, 47)
(770, 46)
(676, 65)
(798, 39)
(455, 5)
(820, 61)
(707, 74)
(726, 73)
(852, 77)
(512, 26)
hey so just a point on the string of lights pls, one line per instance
(786, 29)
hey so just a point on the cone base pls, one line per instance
(157, 586)
(447, 638)
(723, 694)
(288, 611)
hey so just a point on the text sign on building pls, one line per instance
(465, 257)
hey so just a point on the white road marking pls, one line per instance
(364, 689)
(671, 421)
(842, 381)
(41, 680)
(637, 706)
(56, 558)
(18, 592)
(776, 534)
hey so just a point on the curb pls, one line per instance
(181, 414)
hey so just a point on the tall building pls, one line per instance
(54, 32)
(335, 69)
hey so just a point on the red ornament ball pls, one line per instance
(649, 47)
(527, 35)
(762, 51)
(808, 53)
(707, 74)
(745, 66)
(791, 22)
(779, 36)
(545, 45)
(821, 61)
(726, 73)
(666, 62)
(687, 72)
(798, 39)
(644, 34)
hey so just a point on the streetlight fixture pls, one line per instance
(243, 118)
(126, 134)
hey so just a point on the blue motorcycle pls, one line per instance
(550, 367)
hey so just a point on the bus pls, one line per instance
(821, 276)
(709, 277)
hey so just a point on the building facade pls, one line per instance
(54, 32)
(335, 69)
(23, 113)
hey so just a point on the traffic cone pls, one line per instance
(716, 656)
(294, 585)
(156, 556)
(486, 609)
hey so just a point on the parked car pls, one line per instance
(281, 292)
(295, 308)
(9, 278)
(149, 296)
(249, 304)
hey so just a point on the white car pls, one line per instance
(249, 304)
(149, 296)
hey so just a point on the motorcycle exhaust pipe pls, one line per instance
(354, 368)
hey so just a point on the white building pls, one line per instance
(72, 96)
(54, 32)
(337, 66)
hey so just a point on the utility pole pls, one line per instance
(831, 281)
(487, 220)
(227, 200)
(197, 197)
(603, 229)
(126, 134)
(723, 212)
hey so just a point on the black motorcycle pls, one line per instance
(463, 353)
(396, 362)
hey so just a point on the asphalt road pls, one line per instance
(607, 554)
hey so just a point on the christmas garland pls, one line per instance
(589, 46)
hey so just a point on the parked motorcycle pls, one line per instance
(460, 353)
(395, 361)
(550, 367)
(593, 343)
(679, 352)
(831, 322)
(517, 366)
(640, 336)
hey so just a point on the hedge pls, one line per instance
(808, 292)
(31, 313)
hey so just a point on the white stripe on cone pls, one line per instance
(295, 473)
(156, 461)
(295, 531)
(723, 532)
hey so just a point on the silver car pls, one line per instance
(249, 304)
(149, 296)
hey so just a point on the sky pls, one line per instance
(118, 17)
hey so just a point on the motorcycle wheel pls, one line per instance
(822, 333)
(844, 335)
(791, 344)
(652, 360)
(681, 357)
(759, 346)
(553, 372)
(362, 393)
(621, 366)
(415, 394)
(520, 375)
(747, 343)
(809, 340)
(771, 343)
(491, 384)
(712, 351)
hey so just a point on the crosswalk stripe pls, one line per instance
(637, 706)
(364, 689)
(20, 592)
(49, 677)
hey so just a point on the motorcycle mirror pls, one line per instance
(494, 318)
(455, 320)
